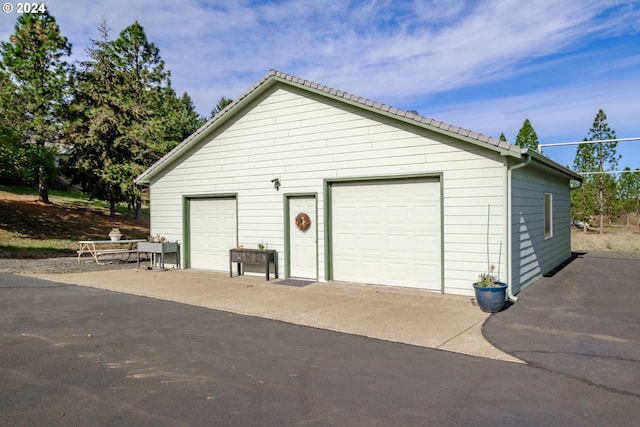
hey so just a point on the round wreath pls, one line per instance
(303, 222)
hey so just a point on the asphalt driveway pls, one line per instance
(583, 322)
(72, 355)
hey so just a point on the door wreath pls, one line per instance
(303, 222)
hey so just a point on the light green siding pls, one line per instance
(532, 254)
(304, 138)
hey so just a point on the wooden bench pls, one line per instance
(91, 247)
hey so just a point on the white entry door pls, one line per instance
(212, 224)
(302, 244)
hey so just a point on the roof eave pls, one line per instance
(556, 167)
(213, 123)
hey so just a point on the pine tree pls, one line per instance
(584, 200)
(527, 137)
(222, 103)
(502, 137)
(33, 59)
(10, 120)
(629, 193)
(595, 160)
(127, 116)
(183, 120)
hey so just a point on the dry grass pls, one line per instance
(615, 238)
(31, 229)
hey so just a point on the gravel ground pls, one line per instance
(65, 265)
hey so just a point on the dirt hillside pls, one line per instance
(26, 222)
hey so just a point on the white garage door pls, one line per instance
(387, 232)
(212, 225)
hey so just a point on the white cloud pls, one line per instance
(396, 52)
(558, 115)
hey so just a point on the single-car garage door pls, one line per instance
(387, 232)
(212, 232)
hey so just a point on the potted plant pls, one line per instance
(115, 235)
(490, 292)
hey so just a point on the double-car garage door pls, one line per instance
(387, 232)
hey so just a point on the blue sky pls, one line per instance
(485, 65)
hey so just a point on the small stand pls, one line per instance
(253, 256)
(159, 248)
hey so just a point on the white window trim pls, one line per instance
(549, 234)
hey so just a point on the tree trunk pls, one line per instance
(139, 216)
(601, 213)
(601, 189)
(43, 190)
(112, 208)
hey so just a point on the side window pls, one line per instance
(548, 215)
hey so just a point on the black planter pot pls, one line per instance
(491, 299)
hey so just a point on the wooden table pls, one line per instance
(253, 256)
(92, 247)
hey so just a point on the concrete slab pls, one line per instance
(405, 315)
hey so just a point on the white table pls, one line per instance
(96, 248)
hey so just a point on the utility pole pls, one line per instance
(600, 189)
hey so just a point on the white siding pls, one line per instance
(304, 138)
(532, 254)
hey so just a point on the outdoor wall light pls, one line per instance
(276, 183)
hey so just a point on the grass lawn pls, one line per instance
(31, 229)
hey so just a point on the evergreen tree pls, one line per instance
(20, 162)
(584, 200)
(33, 60)
(527, 137)
(502, 137)
(222, 103)
(126, 116)
(95, 130)
(595, 160)
(629, 193)
(183, 119)
(10, 120)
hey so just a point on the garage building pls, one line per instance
(393, 198)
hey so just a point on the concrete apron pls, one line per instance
(405, 315)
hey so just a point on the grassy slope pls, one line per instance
(30, 229)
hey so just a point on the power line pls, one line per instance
(558, 144)
(594, 173)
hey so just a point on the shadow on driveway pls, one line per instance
(582, 322)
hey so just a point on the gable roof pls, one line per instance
(273, 77)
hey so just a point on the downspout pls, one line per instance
(527, 160)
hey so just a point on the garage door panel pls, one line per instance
(387, 232)
(212, 224)
(420, 213)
